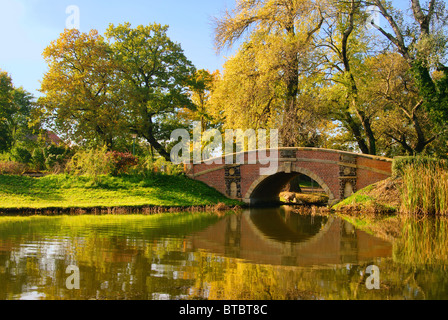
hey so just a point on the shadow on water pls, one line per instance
(279, 224)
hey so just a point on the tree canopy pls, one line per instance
(311, 68)
(314, 69)
(16, 107)
(100, 90)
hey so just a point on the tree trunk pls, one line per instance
(148, 134)
(157, 146)
(294, 186)
(290, 117)
(368, 147)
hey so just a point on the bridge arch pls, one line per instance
(266, 189)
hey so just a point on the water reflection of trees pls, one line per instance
(142, 266)
(119, 257)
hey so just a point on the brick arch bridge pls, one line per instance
(339, 173)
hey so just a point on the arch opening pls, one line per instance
(269, 190)
(279, 225)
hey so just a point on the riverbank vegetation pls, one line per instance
(65, 191)
(425, 189)
(109, 102)
(380, 198)
(418, 186)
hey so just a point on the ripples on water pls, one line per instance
(257, 254)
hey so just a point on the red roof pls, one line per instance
(51, 137)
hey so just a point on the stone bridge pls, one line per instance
(339, 173)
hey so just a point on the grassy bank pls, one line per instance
(418, 189)
(383, 197)
(419, 186)
(66, 191)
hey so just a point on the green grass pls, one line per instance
(359, 197)
(365, 202)
(65, 191)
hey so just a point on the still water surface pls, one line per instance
(256, 254)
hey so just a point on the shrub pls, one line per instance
(122, 162)
(94, 162)
(12, 167)
(50, 157)
(4, 157)
(165, 167)
(147, 167)
(55, 157)
(144, 167)
(20, 154)
(38, 159)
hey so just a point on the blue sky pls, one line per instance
(28, 26)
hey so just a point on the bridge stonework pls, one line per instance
(339, 173)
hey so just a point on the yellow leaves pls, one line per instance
(295, 17)
(252, 92)
(80, 85)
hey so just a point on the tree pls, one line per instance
(245, 96)
(154, 74)
(401, 119)
(296, 49)
(317, 59)
(422, 42)
(81, 89)
(200, 87)
(344, 49)
(280, 34)
(6, 101)
(21, 118)
(16, 106)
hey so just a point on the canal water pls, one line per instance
(257, 254)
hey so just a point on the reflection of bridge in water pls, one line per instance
(279, 237)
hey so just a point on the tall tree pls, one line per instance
(21, 119)
(281, 31)
(401, 118)
(80, 89)
(343, 49)
(154, 75)
(16, 106)
(200, 87)
(422, 40)
(6, 106)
